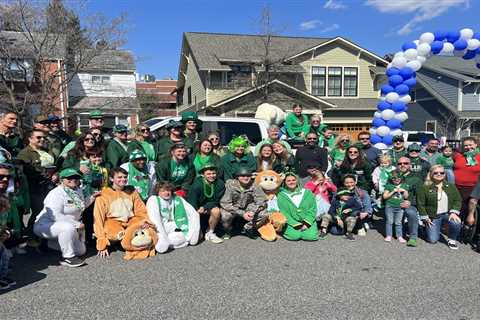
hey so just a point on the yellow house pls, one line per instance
(231, 75)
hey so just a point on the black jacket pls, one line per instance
(308, 155)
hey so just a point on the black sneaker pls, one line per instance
(452, 244)
(4, 284)
(10, 282)
(322, 235)
(249, 232)
(72, 262)
(350, 236)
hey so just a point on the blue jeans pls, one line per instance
(412, 216)
(393, 215)
(433, 232)
(3, 261)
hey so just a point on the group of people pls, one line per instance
(186, 186)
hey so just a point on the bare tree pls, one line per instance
(43, 47)
(452, 125)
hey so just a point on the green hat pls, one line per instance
(190, 116)
(344, 192)
(69, 172)
(96, 114)
(414, 147)
(137, 154)
(174, 124)
(207, 166)
(398, 138)
(242, 171)
(178, 145)
(120, 128)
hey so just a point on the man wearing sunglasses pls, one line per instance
(116, 152)
(175, 135)
(371, 153)
(310, 154)
(419, 166)
(398, 149)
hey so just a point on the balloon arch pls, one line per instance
(401, 72)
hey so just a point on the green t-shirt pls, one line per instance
(396, 199)
(446, 162)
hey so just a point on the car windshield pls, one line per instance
(420, 137)
(151, 122)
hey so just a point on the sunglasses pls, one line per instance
(5, 176)
(438, 173)
(214, 139)
(344, 140)
(72, 178)
(39, 137)
(145, 130)
(363, 139)
(122, 132)
(352, 152)
(311, 138)
(89, 139)
(403, 163)
(96, 134)
(398, 141)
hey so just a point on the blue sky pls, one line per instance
(381, 26)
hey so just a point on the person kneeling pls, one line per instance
(343, 211)
(177, 222)
(299, 206)
(243, 199)
(59, 220)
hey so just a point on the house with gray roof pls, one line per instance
(106, 82)
(232, 74)
(446, 99)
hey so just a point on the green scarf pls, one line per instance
(179, 213)
(140, 180)
(470, 157)
(178, 171)
(149, 150)
(384, 175)
(75, 198)
(200, 161)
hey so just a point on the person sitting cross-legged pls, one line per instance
(343, 214)
(176, 221)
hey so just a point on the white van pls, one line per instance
(420, 137)
(254, 129)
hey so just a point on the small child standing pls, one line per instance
(445, 159)
(395, 193)
(380, 176)
(5, 234)
(343, 211)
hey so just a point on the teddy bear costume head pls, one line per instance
(269, 181)
(139, 241)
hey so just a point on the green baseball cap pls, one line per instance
(243, 172)
(344, 192)
(69, 172)
(414, 147)
(174, 124)
(96, 114)
(120, 128)
(137, 154)
(207, 166)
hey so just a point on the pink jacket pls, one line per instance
(323, 189)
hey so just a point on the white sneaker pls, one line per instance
(212, 237)
(366, 226)
(361, 232)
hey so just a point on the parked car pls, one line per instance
(255, 129)
(420, 137)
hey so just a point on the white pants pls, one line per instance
(171, 238)
(70, 240)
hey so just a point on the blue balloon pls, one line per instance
(395, 80)
(388, 139)
(460, 44)
(470, 54)
(394, 124)
(398, 106)
(409, 45)
(386, 89)
(383, 105)
(378, 122)
(476, 35)
(392, 71)
(477, 51)
(440, 35)
(436, 46)
(478, 65)
(375, 139)
(410, 82)
(453, 36)
(406, 108)
(406, 73)
(402, 89)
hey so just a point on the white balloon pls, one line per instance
(423, 49)
(396, 132)
(402, 116)
(405, 99)
(473, 44)
(421, 59)
(416, 42)
(427, 37)
(377, 114)
(447, 48)
(381, 146)
(383, 98)
(383, 131)
(466, 33)
(373, 131)
(399, 54)
(415, 65)
(388, 114)
(399, 62)
(389, 65)
(392, 97)
(459, 53)
(477, 59)
(411, 54)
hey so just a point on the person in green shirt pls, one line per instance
(398, 149)
(143, 141)
(206, 155)
(238, 156)
(396, 191)
(116, 153)
(175, 135)
(193, 125)
(445, 159)
(141, 174)
(297, 124)
(337, 154)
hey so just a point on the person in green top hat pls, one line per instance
(297, 124)
(141, 174)
(175, 135)
(143, 141)
(193, 125)
(116, 153)
(204, 196)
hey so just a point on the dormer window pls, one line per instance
(101, 79)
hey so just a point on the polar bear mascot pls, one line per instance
(270, 113)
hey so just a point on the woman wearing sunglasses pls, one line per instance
(337, 154)
(354, 163)
(77, 158)
(143, 142)
(218, 149)
(439, 202)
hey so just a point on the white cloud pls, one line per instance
(334, 5)
(333, 27)
(424, 10)
(309, 25)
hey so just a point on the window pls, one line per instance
(189, 95)
(431, 125)
(350, 82)
(101, 79)
(229, 129)
(17, 69)
(335, 81)
(318, 81)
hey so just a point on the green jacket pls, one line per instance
(197, 198)
(304, 213)
(11, 143)
(395, 155)
(33, 170)
(163, 171)
(55, 145)
(115, 155)
(163, 145)
(427, 200)
(295, 127)
(231, 164)
(414, 182)
(363, 174)
(137, 145)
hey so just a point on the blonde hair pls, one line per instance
(315, 117)
(385, 157)
(428, 179)
(341, 137)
